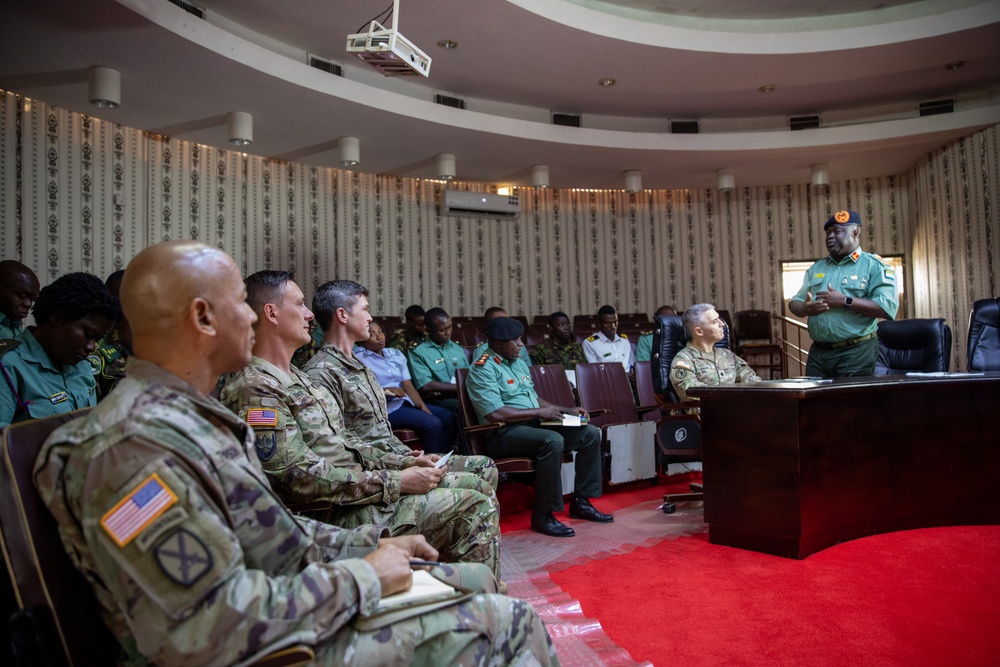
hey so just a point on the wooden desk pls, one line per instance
(792, 468)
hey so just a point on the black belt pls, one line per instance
(840, 344)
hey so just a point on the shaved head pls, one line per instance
(18, 289)
(186, 304)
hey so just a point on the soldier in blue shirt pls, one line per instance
(844, 295)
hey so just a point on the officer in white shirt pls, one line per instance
(607, 344)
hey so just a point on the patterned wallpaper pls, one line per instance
(81, 194)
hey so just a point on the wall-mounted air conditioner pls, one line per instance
(456, 202)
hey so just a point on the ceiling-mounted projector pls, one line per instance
(388, 51)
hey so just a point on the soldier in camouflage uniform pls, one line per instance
(700, 363)
(412, 334)
(211, 568)
(357, 390)
(310, 457)
(559, 347)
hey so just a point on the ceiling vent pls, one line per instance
(325, 65)
(483, 204)
(189, 8)
(934, 107)
(448, 101)
(684, 127)
(803, 122)
(566, 119)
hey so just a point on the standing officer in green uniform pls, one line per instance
(113, 351)
(413, 333)
(162, 505)
(433, 363)
(45, 371)
(560, 347)
(844, 295)
(311, 458)
(644, 346)
(500, 389)
(18, 290)
(341, 306)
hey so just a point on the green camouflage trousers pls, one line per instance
(459, 519)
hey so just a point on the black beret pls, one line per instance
(843, 218)
(504, 328)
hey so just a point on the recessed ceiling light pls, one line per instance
(768, 88)
(448, 44)
(955, 64)
(607, 83)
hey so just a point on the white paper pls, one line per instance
(443, 460)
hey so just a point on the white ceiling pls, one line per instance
(862, 68)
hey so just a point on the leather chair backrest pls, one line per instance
(58, 606)
(984, 335)
(920, 345)
(552, 384)
(605, 386)
(752, 325)
(644, 388)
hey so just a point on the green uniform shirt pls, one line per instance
(693, 368)
(644, 347)
(43, 389)
(430, 362)
(405, 340)
(482, 348)
(10, 328)
(861, 275)
(495, 382)
(550, 351)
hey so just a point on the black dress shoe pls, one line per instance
(580, 508)
(546, 524)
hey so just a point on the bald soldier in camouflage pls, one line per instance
(310, 457)
(341, 308)
(163, 506)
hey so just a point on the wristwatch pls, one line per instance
(848, 302)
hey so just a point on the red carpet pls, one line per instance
(913, 598)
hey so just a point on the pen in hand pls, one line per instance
(424, 563)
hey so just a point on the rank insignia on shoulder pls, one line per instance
(592, 338)
(139, 508)
(625, 336)
(58, 397)
(481, 361)
(7, 345)
(262, 417)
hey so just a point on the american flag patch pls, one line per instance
(138, 509)
(262, 417)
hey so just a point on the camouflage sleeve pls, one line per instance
(372, 457)
(194, 590)
(297, 472)
(744, 373)
(683, 377)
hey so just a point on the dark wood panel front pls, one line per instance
(792, 469)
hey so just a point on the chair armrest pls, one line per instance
(480, 428)
(599, 411)
(643, 409)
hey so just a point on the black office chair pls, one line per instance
(984, 335)
(922, 345)
(678, 432)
